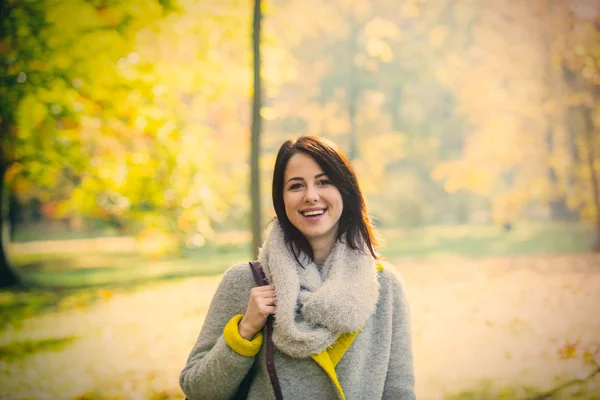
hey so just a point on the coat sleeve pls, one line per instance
(214, 370)
(400, 379)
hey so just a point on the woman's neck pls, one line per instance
(321, 249)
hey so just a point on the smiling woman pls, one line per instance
(312, 174)
(342, 327)
(312, 203)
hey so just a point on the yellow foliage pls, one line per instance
(105, 293)
(438, 35)
(411, 8)
(459, 175)
(377, 152)
(268, 113)
(31, 113)
(379, 49)
(380, 28)
(13, 170)
(568, 350)
(513, 92)
(156, 243)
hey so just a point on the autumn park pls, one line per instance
(137, 144)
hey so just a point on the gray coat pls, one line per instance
(378, 364)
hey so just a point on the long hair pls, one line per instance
(354, 221)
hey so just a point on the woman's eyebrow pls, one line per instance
(296, 178)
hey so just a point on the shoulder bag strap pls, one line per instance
(261, 280)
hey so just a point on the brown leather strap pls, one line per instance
(259, 274)
(261, 280)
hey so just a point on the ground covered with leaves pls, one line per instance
(483, 328)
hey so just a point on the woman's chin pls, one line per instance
(314, 233)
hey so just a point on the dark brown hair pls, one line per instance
(354, 221)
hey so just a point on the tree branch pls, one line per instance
(550, 393)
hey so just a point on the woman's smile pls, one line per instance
(313, 214)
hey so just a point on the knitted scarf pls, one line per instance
(315, 305)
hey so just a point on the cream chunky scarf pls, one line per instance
(316, 305)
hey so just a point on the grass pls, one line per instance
(129, 302)
(468, 314)
(486, 390)
(59, 282)
(89, 270)
(34, 233)
(18, 350)
(525, 238)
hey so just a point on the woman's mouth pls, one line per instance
(314, 214)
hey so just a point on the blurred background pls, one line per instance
(125, 149)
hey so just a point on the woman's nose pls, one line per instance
(312, 195)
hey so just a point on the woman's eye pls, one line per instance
(294, 186)
(324, 182)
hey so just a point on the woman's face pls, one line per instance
(312, 204)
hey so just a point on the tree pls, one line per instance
(580, 64)
(531, 142)
(143, 104)
(21, 26)
(256, 128)
(363, 73)
(177, 164)
(58, 62)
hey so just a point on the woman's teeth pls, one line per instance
(313, 213)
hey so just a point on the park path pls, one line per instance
(496, 318)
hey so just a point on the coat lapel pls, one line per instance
(329, 358)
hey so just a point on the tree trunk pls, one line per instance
(255, 134)
(558, 202)
(14, 215)
(394, 107)
(352, 100)
(8, 277)
(592, 155)
(353, 90)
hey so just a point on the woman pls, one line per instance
(341, 318)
